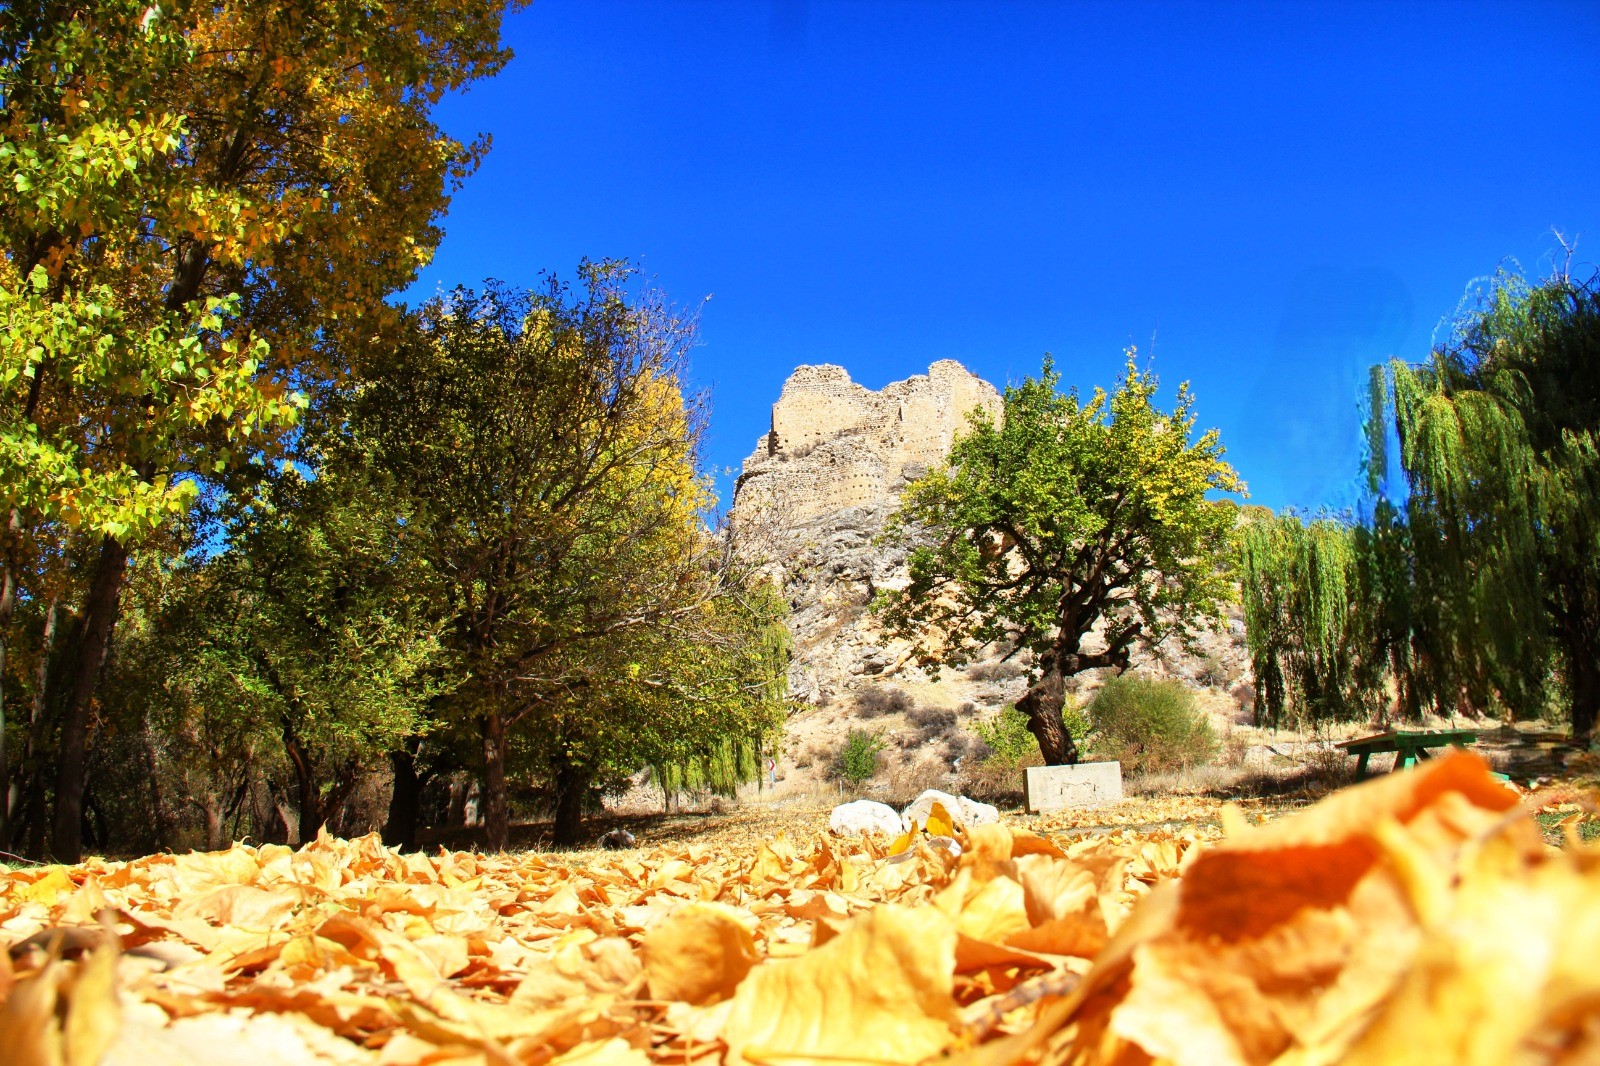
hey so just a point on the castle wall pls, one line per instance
(836, 445)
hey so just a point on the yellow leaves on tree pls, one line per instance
(1414, 918)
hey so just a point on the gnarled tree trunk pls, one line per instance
(1043, 703)
(307, 795)
(94, 636)
(496, 820)
(405, 802)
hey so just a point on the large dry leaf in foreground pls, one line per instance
(880, 991)
(1283, 942)
(699, 954)
(1508, 971)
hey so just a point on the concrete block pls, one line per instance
(1088, 784)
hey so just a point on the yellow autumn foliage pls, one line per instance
(1415, 918)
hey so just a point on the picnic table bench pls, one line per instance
(1409, 745)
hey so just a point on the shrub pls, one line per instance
(1213, 672)
(1150, 725)
(931, 719)
(1006, 735)
(1000, 671)
(880, 700)
(857, 761)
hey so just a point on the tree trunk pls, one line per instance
(8, 603)
(291, 836)
(496, 821)
(158, 809)
(8, 607)
(1043, 703)
(1583, 678)
(212, 809)
(405, 802)
(306, 792)
(99, 615)
(572, 788)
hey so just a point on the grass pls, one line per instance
(1549, 825)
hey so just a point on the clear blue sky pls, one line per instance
(1271, 197)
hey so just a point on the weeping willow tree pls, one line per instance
(727, 705)
(1480, 589)
(1312, 648)
(1498, 441)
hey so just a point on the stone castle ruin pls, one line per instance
(814, 496)
(836, 445)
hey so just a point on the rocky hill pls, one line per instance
(812, 500)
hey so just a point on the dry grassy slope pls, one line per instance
(812, 499)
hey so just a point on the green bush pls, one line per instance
(1150, 725)
(857, 761)
(1007, 737)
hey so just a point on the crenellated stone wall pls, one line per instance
(835, 445)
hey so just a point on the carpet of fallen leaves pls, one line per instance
(1417, 917)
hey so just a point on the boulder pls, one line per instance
(963, 811)
(921, 806)
(864, 816)
(975, 813)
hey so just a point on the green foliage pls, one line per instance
(1066, 514)
(1150, 725)
(1007, 736)
(203, 209)
(1481, 590)
(1307, 620)
(857, 761)
(545, 445)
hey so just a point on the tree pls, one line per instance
(325, 619)
(202, 208)
(1308, 618)
(548, 450)
(1500, 445)
(1066, 516)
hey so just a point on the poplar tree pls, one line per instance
(202, 209)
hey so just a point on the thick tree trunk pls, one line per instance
(211, 808)
(99, 615)
(38, 728)
(572, 788)
(1583, 679)
(8, 604)
(405, 802)
(1043, 703)
(306, 792)
(496, 821)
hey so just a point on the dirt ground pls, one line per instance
(1277, 774)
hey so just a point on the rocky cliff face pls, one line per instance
(817, 490)
(813, 498)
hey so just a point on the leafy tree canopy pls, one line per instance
(1067, 515)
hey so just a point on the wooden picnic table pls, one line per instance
(1409, 745)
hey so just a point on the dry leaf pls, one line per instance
(879, 991)
(699, 954)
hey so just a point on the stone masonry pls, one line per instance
(835, 445)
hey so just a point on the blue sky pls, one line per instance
(1267, 197)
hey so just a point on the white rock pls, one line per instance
(923, 804)
(864, 816)
(963, 811)
(975, 813)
